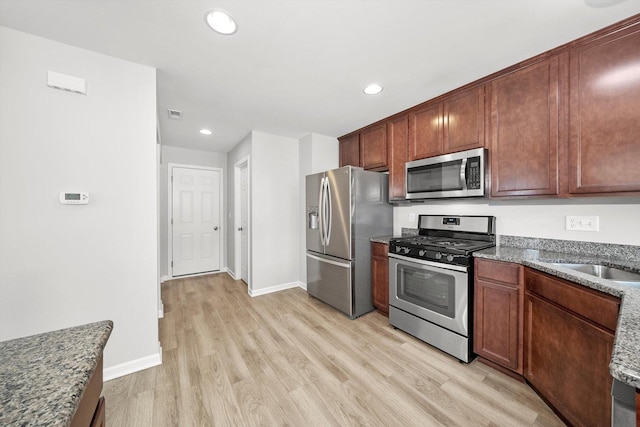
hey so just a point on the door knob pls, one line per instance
(215, 228)
(239, 228)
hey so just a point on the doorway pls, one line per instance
(242, 230)
(195, 219)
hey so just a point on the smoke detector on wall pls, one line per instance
(174, 114)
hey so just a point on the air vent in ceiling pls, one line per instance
(175, 114)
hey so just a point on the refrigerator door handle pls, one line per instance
(320, 212)
(329, 261)
(330, 211)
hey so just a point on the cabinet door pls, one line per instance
(496, 323)
(567, 361)
(524, 130)
(350, 150)
(604, 120)
(464, 120)
(380, 276)
(498, 315)
(398, 138)
(373, 147)
(426, 131)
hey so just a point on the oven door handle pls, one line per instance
(421, 262)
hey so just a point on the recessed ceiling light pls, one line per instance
(205, 131)
(373, 89)
(220, 22)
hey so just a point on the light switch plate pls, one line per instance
(583, 223)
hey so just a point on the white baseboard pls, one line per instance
(164, 279)
(161, 311)
(133, 366)
(232, 274)
(277, 288)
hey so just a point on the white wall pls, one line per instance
(186, 156)
(619, 217)
(275, 198)
(318, 153)
(61, 265)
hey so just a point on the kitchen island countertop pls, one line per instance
(43, 377)
(625, 360)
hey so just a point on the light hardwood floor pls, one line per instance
(288, 359)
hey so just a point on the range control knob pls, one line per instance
(421, 253)
(398, 248)
(449, 258)
(406, 250)
(438, 255)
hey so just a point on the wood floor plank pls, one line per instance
(289, 359)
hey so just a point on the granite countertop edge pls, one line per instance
(43, 377)
(625, 360)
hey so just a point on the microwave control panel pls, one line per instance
(473, 173)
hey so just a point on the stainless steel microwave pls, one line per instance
(451, 175)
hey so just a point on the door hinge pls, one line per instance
(171, 264)
(171, 221)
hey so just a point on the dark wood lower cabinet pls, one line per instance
(380, 276)
(637, 408)
(566, 354)
(91, 409)
(498, 297)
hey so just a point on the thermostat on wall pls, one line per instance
(74, 198)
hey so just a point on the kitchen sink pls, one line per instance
(610, 273)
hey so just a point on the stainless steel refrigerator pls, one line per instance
(345, 208)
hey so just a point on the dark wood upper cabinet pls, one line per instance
(604, 120)
(446, 126)
(464, 121)
(373, 147)
(350, 150)
(563, 123)
(397, 138)
(524, 130)
(426, 131)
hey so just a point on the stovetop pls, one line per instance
(451, 240)
(445, 243)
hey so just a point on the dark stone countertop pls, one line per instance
(382, 239)
(43, 377)
(625, 360)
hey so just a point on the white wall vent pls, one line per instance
(67, 83)
(174, 114)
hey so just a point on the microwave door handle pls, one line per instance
(463, 173)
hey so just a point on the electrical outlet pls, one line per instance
(412, 217)
(583, 223)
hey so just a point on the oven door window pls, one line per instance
(428, 289)
(436, 177)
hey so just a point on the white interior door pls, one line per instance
(244, 224)
(196, 221)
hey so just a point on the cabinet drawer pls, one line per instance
(379, 249)
(596, 306)
(498, 271)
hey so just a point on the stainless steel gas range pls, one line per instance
(431, 280)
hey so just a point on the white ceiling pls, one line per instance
(299, 66)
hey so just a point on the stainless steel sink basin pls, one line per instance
(609, 273)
